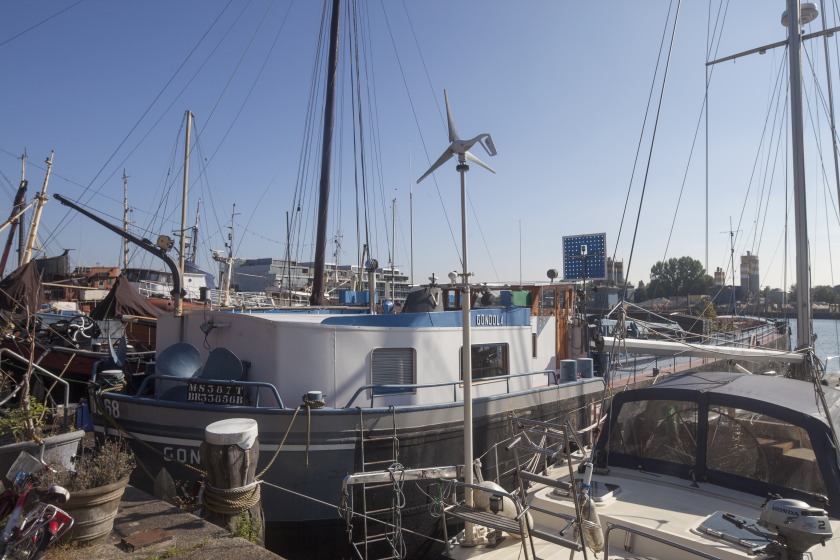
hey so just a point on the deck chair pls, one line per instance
(182, 359)
(222, 365)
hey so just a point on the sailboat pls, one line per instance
(711, 465)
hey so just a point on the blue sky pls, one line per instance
(562, 90)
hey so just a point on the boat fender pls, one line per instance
(592, 534)
(481, 500)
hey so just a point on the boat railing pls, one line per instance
(254, 387)
(39, 371)
(390, 390)
(653, 537)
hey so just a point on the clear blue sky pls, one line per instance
(562, 87)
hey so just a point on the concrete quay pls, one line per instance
(146, 528)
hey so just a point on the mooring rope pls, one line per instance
(231, 501)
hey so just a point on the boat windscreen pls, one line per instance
(657, 429)
(763, 448)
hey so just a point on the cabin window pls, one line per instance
(763, 448)
(548, 297)
(488, 360)
(393, 366)
(664, 430)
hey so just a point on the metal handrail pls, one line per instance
(251, 384)
(651, 536)
(41, 371)
(144, 386)
(453, 384)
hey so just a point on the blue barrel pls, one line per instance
(586, 367)
(568, 371)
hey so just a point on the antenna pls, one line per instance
(732, 233)
(461, 147)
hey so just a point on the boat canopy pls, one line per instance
(755, 434)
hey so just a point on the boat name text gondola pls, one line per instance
(488, 321)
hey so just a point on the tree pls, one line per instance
(640, 294)
(823, 294)
(678, 277)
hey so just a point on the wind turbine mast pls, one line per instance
(460, 147)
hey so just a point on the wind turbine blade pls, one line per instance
(453, 134)
(474, 159)
(440, 161)
(488, 144)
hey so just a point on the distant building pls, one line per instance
(750, 282)
(774, 297)
(615, 272)
(280, 278)
(720, 277)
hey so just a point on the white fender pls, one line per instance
(481, 500)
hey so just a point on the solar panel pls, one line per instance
(589, 251)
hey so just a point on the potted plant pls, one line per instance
(30, 423)
(26, 423)
(96, 484)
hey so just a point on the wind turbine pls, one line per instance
(461, 148)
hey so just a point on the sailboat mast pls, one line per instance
(22, 228)
(36, 219)
(125, 219)
(182, 254)
(194, 236)
(831, 110)
(803, 283)
(317, 297)
(20, 198)
(393, 242)
(229, 260)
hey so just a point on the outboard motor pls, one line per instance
(798, 525)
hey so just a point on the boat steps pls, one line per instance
(374, 541)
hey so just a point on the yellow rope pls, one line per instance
(282, 442)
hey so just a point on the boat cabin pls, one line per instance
(756, 434)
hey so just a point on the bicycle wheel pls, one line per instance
(30, 545)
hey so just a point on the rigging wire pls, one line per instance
(40, 23)
(639, 144)
(417, 124)
(653, 137)
(67, 216)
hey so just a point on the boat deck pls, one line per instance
(665, 506)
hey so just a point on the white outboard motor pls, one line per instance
(798, 525)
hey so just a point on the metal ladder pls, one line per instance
(554, 442)
(376, 539)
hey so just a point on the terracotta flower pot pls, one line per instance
(93, 511)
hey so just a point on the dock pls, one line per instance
(147, 528)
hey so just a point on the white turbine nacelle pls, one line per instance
(461, 147)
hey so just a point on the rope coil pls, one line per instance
(231, 501)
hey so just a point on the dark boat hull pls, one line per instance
(320, 447)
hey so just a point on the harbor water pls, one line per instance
(827, 344)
